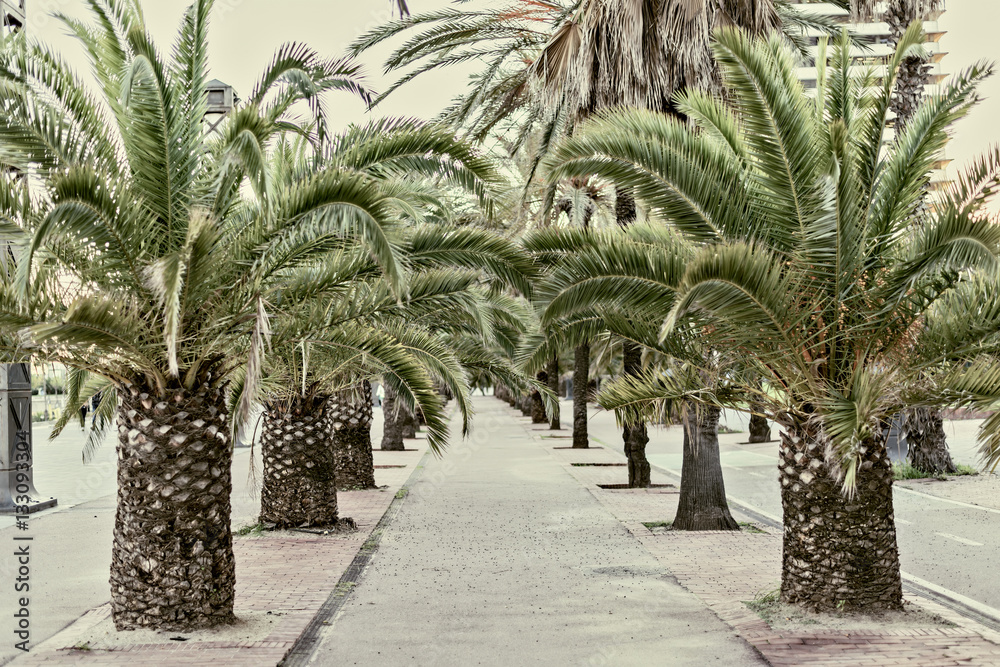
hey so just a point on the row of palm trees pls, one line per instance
(801, 273)
(188, 277)
(765, 250)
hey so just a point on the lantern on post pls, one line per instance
(220, 101)
(13, 15)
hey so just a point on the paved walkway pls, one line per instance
(500, 557)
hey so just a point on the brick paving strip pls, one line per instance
(724, 569)
(292, 574)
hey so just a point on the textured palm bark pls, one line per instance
(581, 379)
(172, 565)
(928, 445)
(526, 404)
(509, 397)
(839, 552)
(760, 429)
(351, 424)
(299, 488)
(408, 422)
(537, 405)
(913, 71)
(635, 436)
(552, 372)
(392, 431)
(702, 504)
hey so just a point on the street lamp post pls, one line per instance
(221, 100)
(17, 486)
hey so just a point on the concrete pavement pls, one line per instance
(499, 557)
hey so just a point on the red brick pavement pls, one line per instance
(724, 569)
(289, 573)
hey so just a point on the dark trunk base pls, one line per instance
(392, 431)
(537, 405)
(927, 441)
(581, 379)
(552, 372)
(702, 504)
(760, 430)
(635, 436)
(839, 553)
(299, 483)
(351, 421)
(172, 565)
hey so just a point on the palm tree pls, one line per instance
(159, 273)
(403, 155)
(587, 55)
(603, 286)
(923, 427)
(818, 266)
(913, 71)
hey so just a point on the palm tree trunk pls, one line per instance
(914, 70)
(351, 421)
(553, 374)
(928, 446)
(926, 437)
(760, 430)
(526, 405)
(581, 380)
(408, 422)
(702, 504)
(537, 405)
(392, 431)
(839, 552)
(299, 486)
(172, 565)
(634, 436)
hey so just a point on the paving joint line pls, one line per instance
(303, 648)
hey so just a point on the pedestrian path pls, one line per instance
(499, 556)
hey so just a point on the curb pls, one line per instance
(302, 650)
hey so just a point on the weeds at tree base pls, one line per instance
(253, 530)
(748, 527)
(905, 470)
(766, 604)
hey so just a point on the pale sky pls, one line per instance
(245, 34)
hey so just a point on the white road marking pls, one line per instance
(960, 540)
(904, 522)
(903, 489)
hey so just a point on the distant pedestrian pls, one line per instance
(379, 394)
(83, 417)
(95, 402)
